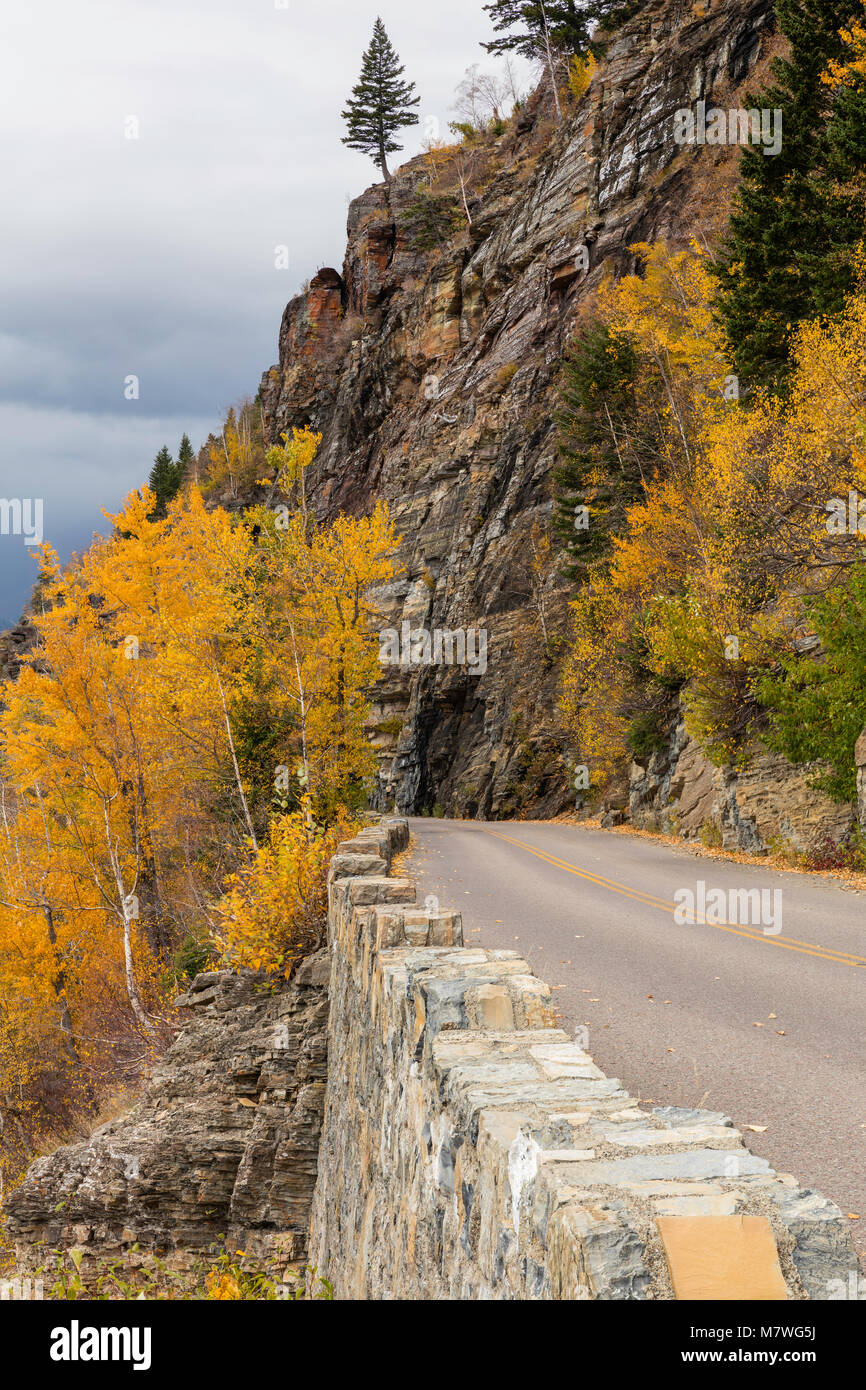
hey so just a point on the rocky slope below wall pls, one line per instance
(220, 1152)
(432, 377)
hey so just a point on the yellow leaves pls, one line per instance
(668, 309)
(852, 69)
(295, 456)
(184, 663)
(273, 911)
(236, 457)
(222, 1286)
(704, 581)
(580, 74)
(312, 605)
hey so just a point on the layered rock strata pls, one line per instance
(219, 1153)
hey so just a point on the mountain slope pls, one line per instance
(432, 375)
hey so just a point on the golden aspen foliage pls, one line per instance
(580, 74)
(312, 613)
(701, 591)
(292, 460)
(180, 659)
(851, 70)
(273, 912)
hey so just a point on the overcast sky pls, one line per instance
(154, 256)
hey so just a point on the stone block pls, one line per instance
(446, 929)
(493, 1007)
(658, 1138)
(353, 865)
(364, 892)
(721, 1204)
(594, 1253)
(823, 1249)
(691, 1163)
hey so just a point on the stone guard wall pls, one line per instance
(472, 1150)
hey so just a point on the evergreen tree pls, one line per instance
(796, 218)
(600, 443)
(163, 480)
(565, 24)
(843, 190)
(380, 103)
(185, 456)
(817, 703)
(167, 475)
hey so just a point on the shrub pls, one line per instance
(274, 911)
(830, 855)
(818, 707)
(432, 219)
(580, 74)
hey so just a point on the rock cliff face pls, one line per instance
(222, 1148)
(767, 804)
(432, 377)
(14, 644)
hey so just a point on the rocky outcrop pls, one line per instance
(18, 642)
(435, 391)
(768, 804)
(220, 1152)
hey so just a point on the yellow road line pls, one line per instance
(805, 948)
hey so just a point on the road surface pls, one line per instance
(767, 1026)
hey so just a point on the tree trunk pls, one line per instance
(129, 971)
(550, 64)
(59, 983)
(238, 779)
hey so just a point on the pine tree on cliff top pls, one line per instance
(547, 30)
(380, 103)
(162, 480)
(566, 24)
(797, 215)
(185, 456)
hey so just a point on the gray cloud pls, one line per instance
(155, 256)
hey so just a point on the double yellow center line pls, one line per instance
(805, 948)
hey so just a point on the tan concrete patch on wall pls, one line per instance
(725, 1257)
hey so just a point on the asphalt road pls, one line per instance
(766, 1026)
